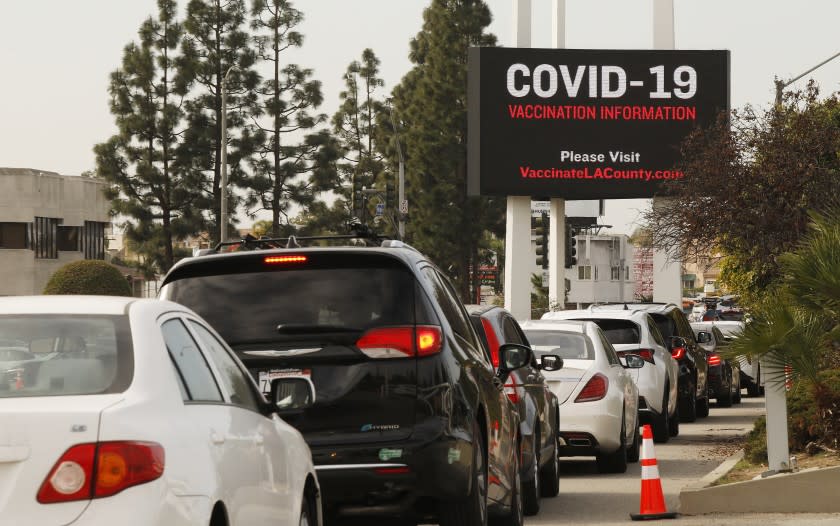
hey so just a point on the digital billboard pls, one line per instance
(586, 124)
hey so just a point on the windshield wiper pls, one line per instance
(303, 328)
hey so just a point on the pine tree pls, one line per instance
(293, 161)
(147, 187)
(216, 45)
(431, 102)
(355, 125)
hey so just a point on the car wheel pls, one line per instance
(307, 518)
(726, 399)
(531, 488)
(661, 422)
(515, 517)
(688, 405)
(550, 474)
(703, 407)
(674, 422)
(472, 510)
(636, 446)
(615, 462)
(736, 397)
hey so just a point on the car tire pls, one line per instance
(471, 510)
(516, 516)
(688, 405)
(636, 446)
(615, 462)
(660, 422)
(736, 398)
(703, 407)
(531, 488)
(726, 399)
(307, 516)
(674, 422)
(550, 474)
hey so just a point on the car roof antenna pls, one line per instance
(626, 307)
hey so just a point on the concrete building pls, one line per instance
(46, 221)
(603, 272)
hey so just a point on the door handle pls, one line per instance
(217, 438)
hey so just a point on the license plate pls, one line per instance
(265, 377)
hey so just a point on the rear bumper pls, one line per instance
(589, 428)
(393, 479)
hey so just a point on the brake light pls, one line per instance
(714, 359)
(401, 342)
(646, 354)
(119, 465)
(492, 342)
(511, 389)
(279, 260)
(595, 389)
(399, 470)
(678, 353)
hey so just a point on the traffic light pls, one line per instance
(390, 197)
(571, 250)
(358, 198)
(540, 225)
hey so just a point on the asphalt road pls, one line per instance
(590, 498)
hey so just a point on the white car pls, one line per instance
(599, 401)
(634, 331)
(141, 415)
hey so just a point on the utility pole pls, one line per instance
(781, 85)
(401, 184)
(223, 216)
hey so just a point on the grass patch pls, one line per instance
(747, 470)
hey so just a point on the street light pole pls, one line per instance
(401, 184)
(781, 85)
(223, 216)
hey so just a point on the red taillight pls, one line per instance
(646, 354)
(119, 465)
(714, 359)
(280, 260)
(401, 342)
(678, 353)
(511, 389)
(400, 470)
(492, 342)
(595, 389)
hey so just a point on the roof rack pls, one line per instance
(359, 231)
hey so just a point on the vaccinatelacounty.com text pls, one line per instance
(606, 173)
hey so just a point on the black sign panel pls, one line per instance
(586, 124)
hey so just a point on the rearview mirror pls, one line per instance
(678, 341)
(704, 337)
(551, 362)
(633, 361)
(513, 356)
(291, 395)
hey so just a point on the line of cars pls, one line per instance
(305, 385)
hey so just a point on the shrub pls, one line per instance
(755, 449)
(88, 276)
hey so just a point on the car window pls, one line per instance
(453, 311)
(190, 363)
(654, 331)
(612, 357)
(620, 331)
(510, 331)
(231, 375)
(567, 345)
(666, 326)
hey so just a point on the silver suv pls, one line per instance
(635, 332)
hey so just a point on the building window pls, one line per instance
(93, 240)
(68, 238)
(13, 235)
(615, 273)
(585, 272)
(44, 234)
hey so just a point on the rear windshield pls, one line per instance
(250, 306)
(61, 355)
(567, 345)
(620, 331)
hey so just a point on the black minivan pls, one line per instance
(409, 420)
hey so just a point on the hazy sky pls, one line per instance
(55, 57)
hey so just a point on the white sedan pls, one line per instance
(139, 414)
(599, 400)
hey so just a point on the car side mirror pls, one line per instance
(513, 356)
(678, 341)
(551, 362)
(632, 361)
(292, 395)
(704, 337)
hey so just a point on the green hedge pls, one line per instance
(89, 276)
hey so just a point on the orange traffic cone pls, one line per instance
(19, 381)
(652, 502)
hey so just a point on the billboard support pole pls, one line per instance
(557, 227)
(518, 249)
(667, 273)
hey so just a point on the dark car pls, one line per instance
(693, 393)
(410, 421)
(724, 374)
(539, 412)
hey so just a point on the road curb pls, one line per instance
(724, 468)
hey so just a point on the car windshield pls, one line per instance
(55, 355)
(730, 331)
(286, 303)
(567, 345)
